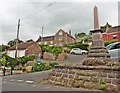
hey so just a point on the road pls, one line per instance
(74, 59)
(29, 82)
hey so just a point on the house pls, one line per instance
(61, 38)
(112, 33)
(49, 40)
(24, 49)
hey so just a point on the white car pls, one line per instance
(78, 51)
(114, 50)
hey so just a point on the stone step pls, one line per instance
(98, 55)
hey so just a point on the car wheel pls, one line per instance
(83, 52)
(72, 53)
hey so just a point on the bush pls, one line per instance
(78, 45)
(103, 87)
(55, 50)
(23, 60)
(44, 66)
(109, 42)
(9, 61)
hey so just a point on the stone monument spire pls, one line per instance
(96, 21)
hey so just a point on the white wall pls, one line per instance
(20, 53)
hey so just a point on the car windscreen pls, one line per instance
(109, 46)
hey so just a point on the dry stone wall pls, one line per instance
(90, 77)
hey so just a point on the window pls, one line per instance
(51, 42)
(117, 46)
(60, 33)
(45, 43)
(60, 38)
(60, 44)
(114, 36)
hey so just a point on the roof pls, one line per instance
(113, 29)
(67, 34)
(21, 46)
(47, 38)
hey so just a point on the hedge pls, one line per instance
(56, 50)
(78, 45)
(109, 42)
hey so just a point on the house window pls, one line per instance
(60, 38)
(51, 42)
(60, 44)
(45, 43)
(114, 36)
(60, 33)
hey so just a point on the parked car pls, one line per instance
(78, 51)
(114, 50)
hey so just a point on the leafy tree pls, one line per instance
(3, 47)
(103, 28)
(31, 40)
(13, 42)
(80, 35)
(3, 60)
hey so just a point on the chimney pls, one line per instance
(70, 32)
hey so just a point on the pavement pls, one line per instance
(29, 81)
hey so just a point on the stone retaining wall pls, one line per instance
(91, 77)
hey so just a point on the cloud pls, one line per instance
(77, 16)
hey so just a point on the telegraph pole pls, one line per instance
(18, 27)
(42, 35)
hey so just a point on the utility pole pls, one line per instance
(42, 36)
(17, 38)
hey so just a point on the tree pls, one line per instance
(3, 60)
(13, 42)
(3, 47)
(103, 28)
(31, 40)
(80, 35)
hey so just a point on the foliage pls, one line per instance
(56, 50)
(3, 60)
(78, 45)
(31, 40)
(13, 42)
(103, 87)
(24, 59)
(3, 47)
(109, 42)
(103, 28)
(80, 35)
(9, 61)
(44, 66)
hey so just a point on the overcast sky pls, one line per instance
(77, 16)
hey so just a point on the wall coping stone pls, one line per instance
(81, 67)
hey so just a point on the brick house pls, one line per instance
(24, 49)
(112, 33)
(61, 38)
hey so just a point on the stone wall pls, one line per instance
(90, 77)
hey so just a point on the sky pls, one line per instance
(53, 15)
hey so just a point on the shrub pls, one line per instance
(44, 66)
(78, 45)
(103, 87)
(9, 61)
(109, 42)
(24, 59)
(56, 50)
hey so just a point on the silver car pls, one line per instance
(114, 50)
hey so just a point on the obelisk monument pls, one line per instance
(97, 49)
(96, 22)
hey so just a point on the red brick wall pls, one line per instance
(109, 36)
(33, 49)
